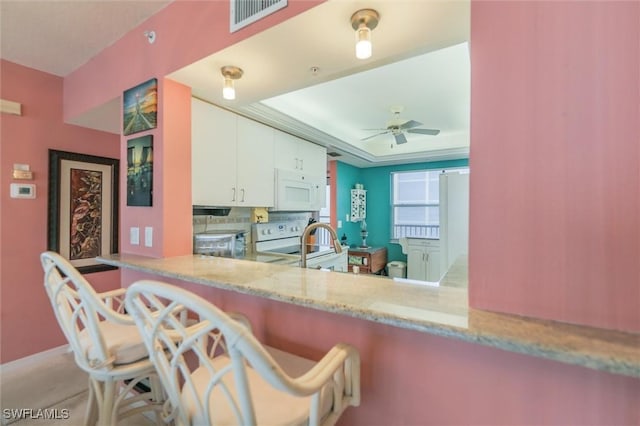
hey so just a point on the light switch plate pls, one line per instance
(148, 236)
(134, 235)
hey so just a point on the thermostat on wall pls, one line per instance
(23, 190)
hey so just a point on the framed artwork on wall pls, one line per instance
(140, 108)
(140, 171)
(83, 208)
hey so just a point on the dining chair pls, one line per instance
(215, 372)
(106, 344)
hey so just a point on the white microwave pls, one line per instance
(296, 191)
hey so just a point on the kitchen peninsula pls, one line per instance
(437, 310)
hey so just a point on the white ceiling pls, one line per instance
(420, 61)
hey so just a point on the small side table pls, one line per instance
(371, 260)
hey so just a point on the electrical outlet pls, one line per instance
(134, 235)
(148, 236)
(339, 224)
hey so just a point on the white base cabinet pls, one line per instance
(232, 159)
(423, 258)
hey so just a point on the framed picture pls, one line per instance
(140, 108)
(83, 208)
(140, 171)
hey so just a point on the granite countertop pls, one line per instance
(436, 309)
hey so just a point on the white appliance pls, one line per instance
(297, 191)
(454, 217)
(220, 243)
(279, 242)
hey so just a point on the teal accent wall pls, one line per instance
(346, 178)
(377, 182)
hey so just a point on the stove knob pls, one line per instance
(269, 231)
(264, 232)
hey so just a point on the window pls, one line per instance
(415, 203)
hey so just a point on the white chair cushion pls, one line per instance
(274, 407)
(123, 343)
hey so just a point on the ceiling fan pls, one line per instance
(398, 126)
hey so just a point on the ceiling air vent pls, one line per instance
(245, 12)
(334, 154)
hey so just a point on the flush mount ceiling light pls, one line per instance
(363, 21)
(230, 73)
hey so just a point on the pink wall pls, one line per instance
(27, 321)
(555, 160)
(176, 193)
(170, 214)
(187, 30)
(411, 378)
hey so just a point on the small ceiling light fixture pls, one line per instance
(363, 21)
(230, 73)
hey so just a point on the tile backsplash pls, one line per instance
(239, 219)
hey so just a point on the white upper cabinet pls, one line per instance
(213, 154)
(293, 153)
(255, 164)
(232, 159)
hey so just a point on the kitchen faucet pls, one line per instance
(305, 235)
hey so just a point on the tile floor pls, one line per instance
(55, 383)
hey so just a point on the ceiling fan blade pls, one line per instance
(373, 136)
(431, 132)
(409, 125)
(400, 138)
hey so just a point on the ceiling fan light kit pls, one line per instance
(363, 22)
(397, 127)
(230, 73)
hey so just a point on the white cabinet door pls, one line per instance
(255, 172)
(423, 259)
(433, 264)
(232, 159)
(293, 153)
(286, 151)
(312, 158)
(213, 154)
(416, 263)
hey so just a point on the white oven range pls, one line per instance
(279, 242)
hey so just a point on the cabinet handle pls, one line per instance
(233, 198)
(297, 167)
(302, 164)
(242, 200)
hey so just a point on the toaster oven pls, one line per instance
(220, 243)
